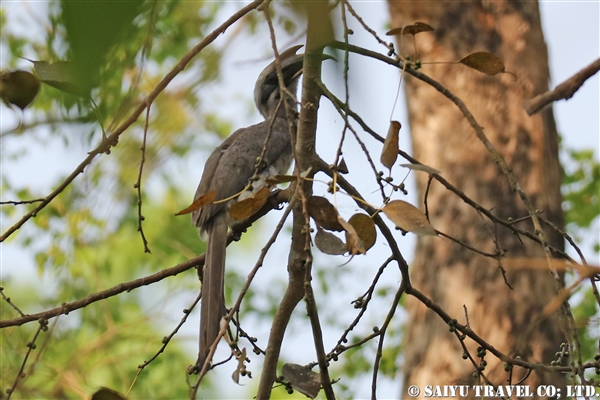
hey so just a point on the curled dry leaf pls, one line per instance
(484, 62)
(324, 213)
(241, 367)
(246, 208)
(408, 218)
(389, 153)
(421, 167)
(342, 168)
(412, 29)
(18, 88)
(328, 243)
(365, 229)
(199, 203)
(354, 243)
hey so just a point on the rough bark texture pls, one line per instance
(451, 275)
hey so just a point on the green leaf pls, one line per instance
(92, 28)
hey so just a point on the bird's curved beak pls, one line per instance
(291, 63)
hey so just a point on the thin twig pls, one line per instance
(382, 331)
(66, 308)
(487, 346)
(365, 26)
(20, 202)
(313, 315)
(30, 347)
(165, 341)
(138, 184)
(361, 303)
(13, 305)
(344, 110)
(478, 367)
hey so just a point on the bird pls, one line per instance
(236, 165)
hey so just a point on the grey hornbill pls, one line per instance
(229, 169)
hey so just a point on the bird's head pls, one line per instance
(266, 90)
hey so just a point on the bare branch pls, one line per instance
(565, 90)
(66, 308)
(275, 198)
(501, 356)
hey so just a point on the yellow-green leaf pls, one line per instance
(64, 76)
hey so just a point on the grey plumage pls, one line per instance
(228, 170)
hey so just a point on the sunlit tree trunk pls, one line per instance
(449, 274)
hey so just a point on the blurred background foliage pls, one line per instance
(87, 238)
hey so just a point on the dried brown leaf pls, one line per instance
(389, 153)
(302, 379)
(241, 367)
(328, 243)
(412, 29)
(18, 88)
(342, 168)
(484, 62)
(365, 228)
(324, 213)
(354, 243)
(200, 202)
(408, 218)
(246, 208)
(107, 394)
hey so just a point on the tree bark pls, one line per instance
(452, 276)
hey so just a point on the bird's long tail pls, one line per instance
(213, 302)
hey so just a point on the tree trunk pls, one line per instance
(451, 275)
